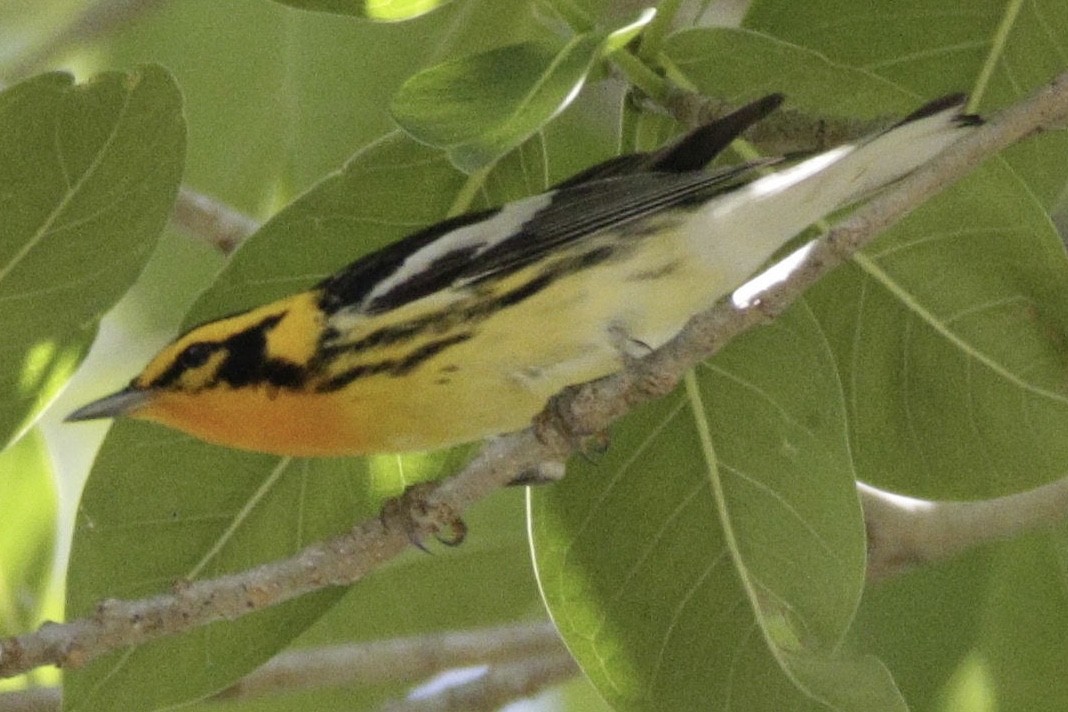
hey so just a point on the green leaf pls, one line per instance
(950, 335)
(923, 625)
(88, 175)
(159, 508)
(738, 66)
(620, 38)
(953, 357)
(364, 207)
(1025, 619)
(27, 532)
(962, 307)
(480, 107)
(380, 10)
(982, 632)
(715, 557)
(213, 510)
(644, 130)
(518, 174)
(997, 51)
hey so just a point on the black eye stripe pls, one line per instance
(196, 355)
(244, 356)
(243, 361)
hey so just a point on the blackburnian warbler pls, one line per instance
(466, 328)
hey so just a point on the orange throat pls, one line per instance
(263, 419)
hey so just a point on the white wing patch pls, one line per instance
(477, 238)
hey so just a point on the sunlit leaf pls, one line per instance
(480, 107)
(88, 175)
(27, 532)
(618, 39)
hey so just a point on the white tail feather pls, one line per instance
(751, 223)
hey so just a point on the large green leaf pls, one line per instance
(998, 51)
(480, 107)
(952, 353)
(948, 335)
(88, 175)
(739, 65)
(381, 10)
(27, 532)
(715, 557)
(214, 510)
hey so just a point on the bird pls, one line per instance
(466, 328)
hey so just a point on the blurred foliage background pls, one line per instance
(277, 99)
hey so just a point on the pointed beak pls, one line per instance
(124, 402)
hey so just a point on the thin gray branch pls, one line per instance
(904, 532)
(591, 408)
(216, 223)
(499, 685)
(401, 660)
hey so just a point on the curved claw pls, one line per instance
(416, 514)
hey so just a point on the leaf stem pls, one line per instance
(466, 195)
(997, 51)
(641, 75)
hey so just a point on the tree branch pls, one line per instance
(216, 223)
(499, 685)
(404, 660)
(904, 532)
(591, 408)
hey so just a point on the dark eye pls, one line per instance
(195, 355)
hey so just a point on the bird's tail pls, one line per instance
(906, 146)
(772, 209)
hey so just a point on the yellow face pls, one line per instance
(237, 381)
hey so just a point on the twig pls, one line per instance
(499, 685)
(904, 532)
(591, 408)
(339, 561)
(403, 659)
(216, 223)
(409, 660)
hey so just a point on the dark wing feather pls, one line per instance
(602, 205)
(351, 284)
(572, 214)
(612, 194)
(690, 152)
